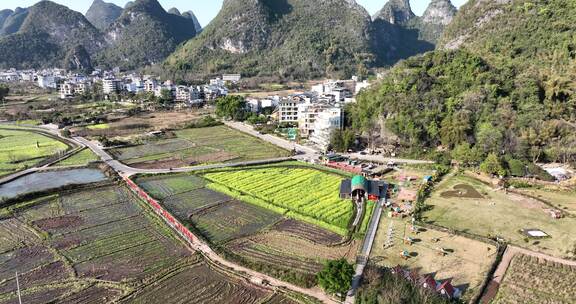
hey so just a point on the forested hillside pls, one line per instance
(507, 87)
(290, 38)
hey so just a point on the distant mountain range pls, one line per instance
(298, 39)
(310, 38)
(48, 34)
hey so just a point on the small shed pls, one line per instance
(346, 189)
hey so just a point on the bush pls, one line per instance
(516, 168)
(540, 173)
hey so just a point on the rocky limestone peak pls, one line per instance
(396, 12)
(440, 12)
(190, 15)
(102, 14)
(174, 11)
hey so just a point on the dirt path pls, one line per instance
(509, 254)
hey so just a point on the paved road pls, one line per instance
(385, 160)
(125, 170)
(362, 259)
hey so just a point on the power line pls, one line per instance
(18, 289)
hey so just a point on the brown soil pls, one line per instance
(46, 274)
(308, 232)
(59, 222)
(216, 157)
(91, 295)
(462, 191)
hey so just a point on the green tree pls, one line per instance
(166, 96)
(231, 107)
(466, 155)
(342, 140)
(336, 277)
(4, 90)
(492, 165)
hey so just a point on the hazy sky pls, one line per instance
(205, 10)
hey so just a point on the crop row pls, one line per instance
(307, 192)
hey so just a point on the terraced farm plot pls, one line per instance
(290, 251)
(20, 149)
(161, 187)
(232, 220)
(100, 234)
(186, 204)
(302, 193)
(501, 214)
(209, 287)
(81, 158)
(198, 146)
(532, 281)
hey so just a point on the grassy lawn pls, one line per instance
(302, 193)
(564, 200)
(467, 265)
(81, 158)
(21, 149)
(530, 281)
(200, 146)
(487, 212)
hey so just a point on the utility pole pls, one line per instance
(18, 289)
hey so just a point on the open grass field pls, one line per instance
(564, 200)
(467, 264)
(21, 149)
(465, 204)
(198, 146)
(102, 246)
(79, 159)
(529, 280)
(302, 193)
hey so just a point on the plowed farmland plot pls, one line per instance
(290, 251)
(198, 146)
(161, 187)
(302, 193)
(232, 220)
(186, 204)
(103, 233)
(532, 281)
(209, 287)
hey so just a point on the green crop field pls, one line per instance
(529, 280)
(199, 146)
(466, 204)
(161, 187)
(302, 193)
(79, 159)
(21, 149)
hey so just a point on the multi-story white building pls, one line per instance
(288, 110)
(307, 115)
(150, 85)
(326, 122)
(231, 77)
(47, 81)
(69, 89)
(110, 86)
